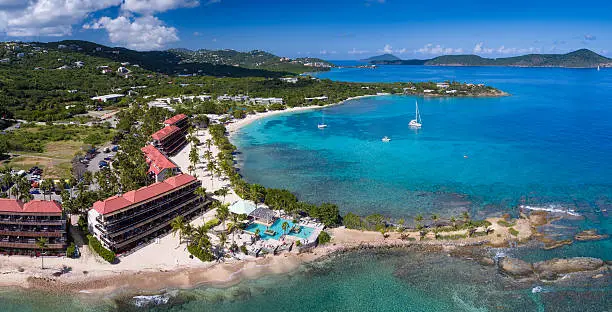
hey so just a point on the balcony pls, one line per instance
(59, 233)
(22, 221)
(152, 218)
(154, 228)
(30, 245)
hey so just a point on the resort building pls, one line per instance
(107, 98)
(21, 225)
(265, 101)
(169, 139)
(180, 120)
(160, 166)
(316, 98)
(289, 79)
(124, 222)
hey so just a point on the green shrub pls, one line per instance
(513, 231)
(96, 246)
(298, 243)
(198, 252)
(70, 250)
(506, 223)
(212, 223)
(244, 249)
(323, 238)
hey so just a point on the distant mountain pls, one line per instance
(576, 59)
(228, 63)
(382, 58)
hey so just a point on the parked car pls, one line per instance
(108, 158)
(102, 164)
(34, 191)
(115, 148)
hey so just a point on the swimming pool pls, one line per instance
(277, 227)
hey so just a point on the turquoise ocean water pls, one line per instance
(549, 144)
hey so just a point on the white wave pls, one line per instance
(143, 301)
(551, 208)
(537, 289)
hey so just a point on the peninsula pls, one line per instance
(582, 58)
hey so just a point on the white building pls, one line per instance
(289, 79)
(442, 85)
(266, 101)
(123, 70)
(316, 98)
(107, 98)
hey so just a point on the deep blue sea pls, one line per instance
(549, 144)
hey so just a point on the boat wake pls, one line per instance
(552, 208)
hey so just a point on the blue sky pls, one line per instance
(344, 29)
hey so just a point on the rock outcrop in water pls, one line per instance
(588, 235)
(516, 268)
(550, 269)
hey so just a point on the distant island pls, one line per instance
(382, 58)
(582, 58)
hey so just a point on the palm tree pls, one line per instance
(23, 189)
(223, 192)
(178, 225)
(201, 191)
(257, 233)
(45, 185)
(42, 242)
(223, 214)
(256, 192)
(211, 167)
(418, 218)
(232, 227)
(285, 226)
(200, 236)
(73, 182)
(208, 143)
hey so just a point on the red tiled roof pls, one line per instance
(132, 197)
(156, 160)
(42, 206)
(10, 205)
(165, 132)
(175, 119)
(34, 206)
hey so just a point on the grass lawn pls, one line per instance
(55, 161)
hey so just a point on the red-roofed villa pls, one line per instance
(160, 167)
(127, 221)
(22, 224)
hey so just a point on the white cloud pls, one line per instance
(505, 50)
(141, 33)
(46, 17)
(388, 49)
(437, 50)
(156, 6)
(479, 48)
(325, 52)
(355, 51)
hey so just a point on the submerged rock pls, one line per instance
(516, 267)
(588, 235)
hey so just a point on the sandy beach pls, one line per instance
(237, 124)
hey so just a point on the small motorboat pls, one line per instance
(386, 139)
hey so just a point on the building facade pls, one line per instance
(180, 120)
(169, 140)
(125, 222)
(22, 224)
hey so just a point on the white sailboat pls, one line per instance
(386, 139)
(322, 125)
(597, 67)
(416, 122)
